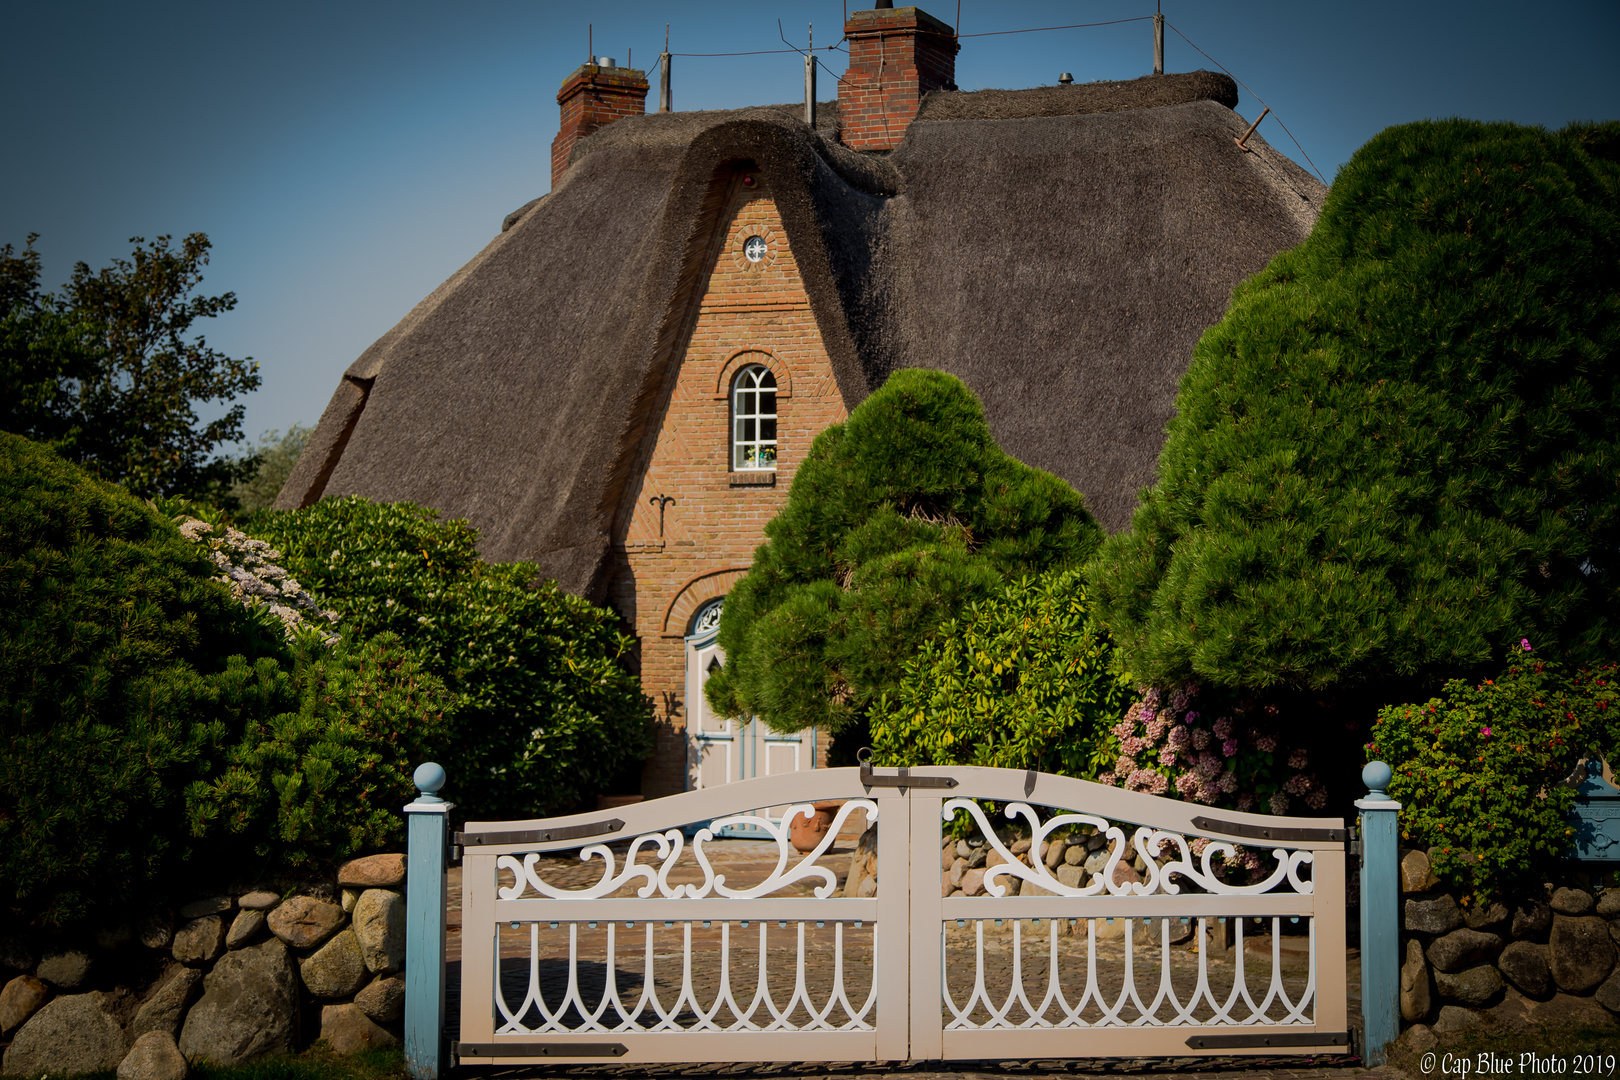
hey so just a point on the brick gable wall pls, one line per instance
(749, 313)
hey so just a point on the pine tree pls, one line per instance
(1396, 455)
(897, 520)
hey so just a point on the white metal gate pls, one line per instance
(663, 959)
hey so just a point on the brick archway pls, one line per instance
(692, 595)
(742, 358)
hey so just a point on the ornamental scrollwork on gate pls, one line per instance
(1148, 842)
(671, 843)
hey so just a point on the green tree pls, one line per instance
(276, 454)
(1022, 680)
(133, 686)
(547, 715)
(899, 518)
(1396, 454)
(105, 373)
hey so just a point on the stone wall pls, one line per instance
(1547, 960)
(226, 978)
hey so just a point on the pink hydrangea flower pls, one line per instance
(1125, 765)
(1279, 803)
(1229, 782)
(1192, 717)
(1161, 784)
(1108, 779)
(1180, 738)
(1247, 802)
(1131, 745)
(1296, 760)
(1223, 728)
(1266, 743)
(1157, 728)
(1167, 756)
(1316, 799)
(1200, 738)
(1209, 766)
(1229, 747)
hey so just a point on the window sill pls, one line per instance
(754, 478)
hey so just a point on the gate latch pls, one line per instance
(903, 779)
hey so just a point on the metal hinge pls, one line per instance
(537, 1049)
(538, 836)
(904, 779)
(1265, 832)
(1278, 1039)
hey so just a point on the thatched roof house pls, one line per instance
(1060, 249)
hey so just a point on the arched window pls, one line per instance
(753, 419)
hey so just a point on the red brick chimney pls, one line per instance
(592, 97)
(896, 55)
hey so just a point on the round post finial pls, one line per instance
(1377, 775)
(429, 778)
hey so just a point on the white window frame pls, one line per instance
(750, 450)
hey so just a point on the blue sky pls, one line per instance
(345, 158)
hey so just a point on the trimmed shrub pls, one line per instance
(132, 682)
(1024, 680)
(547, 713)
(1484, 771)
(324, 779)
(899, 518)
(1397, 451)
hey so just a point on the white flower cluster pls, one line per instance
(249, 568)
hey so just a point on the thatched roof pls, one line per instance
(1060, 249)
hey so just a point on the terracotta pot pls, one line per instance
(806, 833)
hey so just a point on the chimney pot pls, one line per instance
(605, 61)
(1065, 79)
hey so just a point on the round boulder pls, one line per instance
(379, 923)
(1439, 915)
(336, 970)
(373, 872)
(1568, 901)
(66, 969)
(200, 941)
(1579, 952)
(249, 1007)
(1463, 948)
(304, 922)
(153, 1057)
(1524, 964)
(72, 1034)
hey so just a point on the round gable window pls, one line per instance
(754, 248)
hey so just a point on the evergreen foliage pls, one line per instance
(547, 712)
(1397, 452)
(128, 681)
(105, 373)
(1481, 769)
(1022, 680)
(898, 519)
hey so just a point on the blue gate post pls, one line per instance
(427, 850)
(1380, 914)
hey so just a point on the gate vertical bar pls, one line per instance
(428, 820)
(479, 962)
(926, 922)
(1380, 915)
(893, 925)
(1329, 886)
